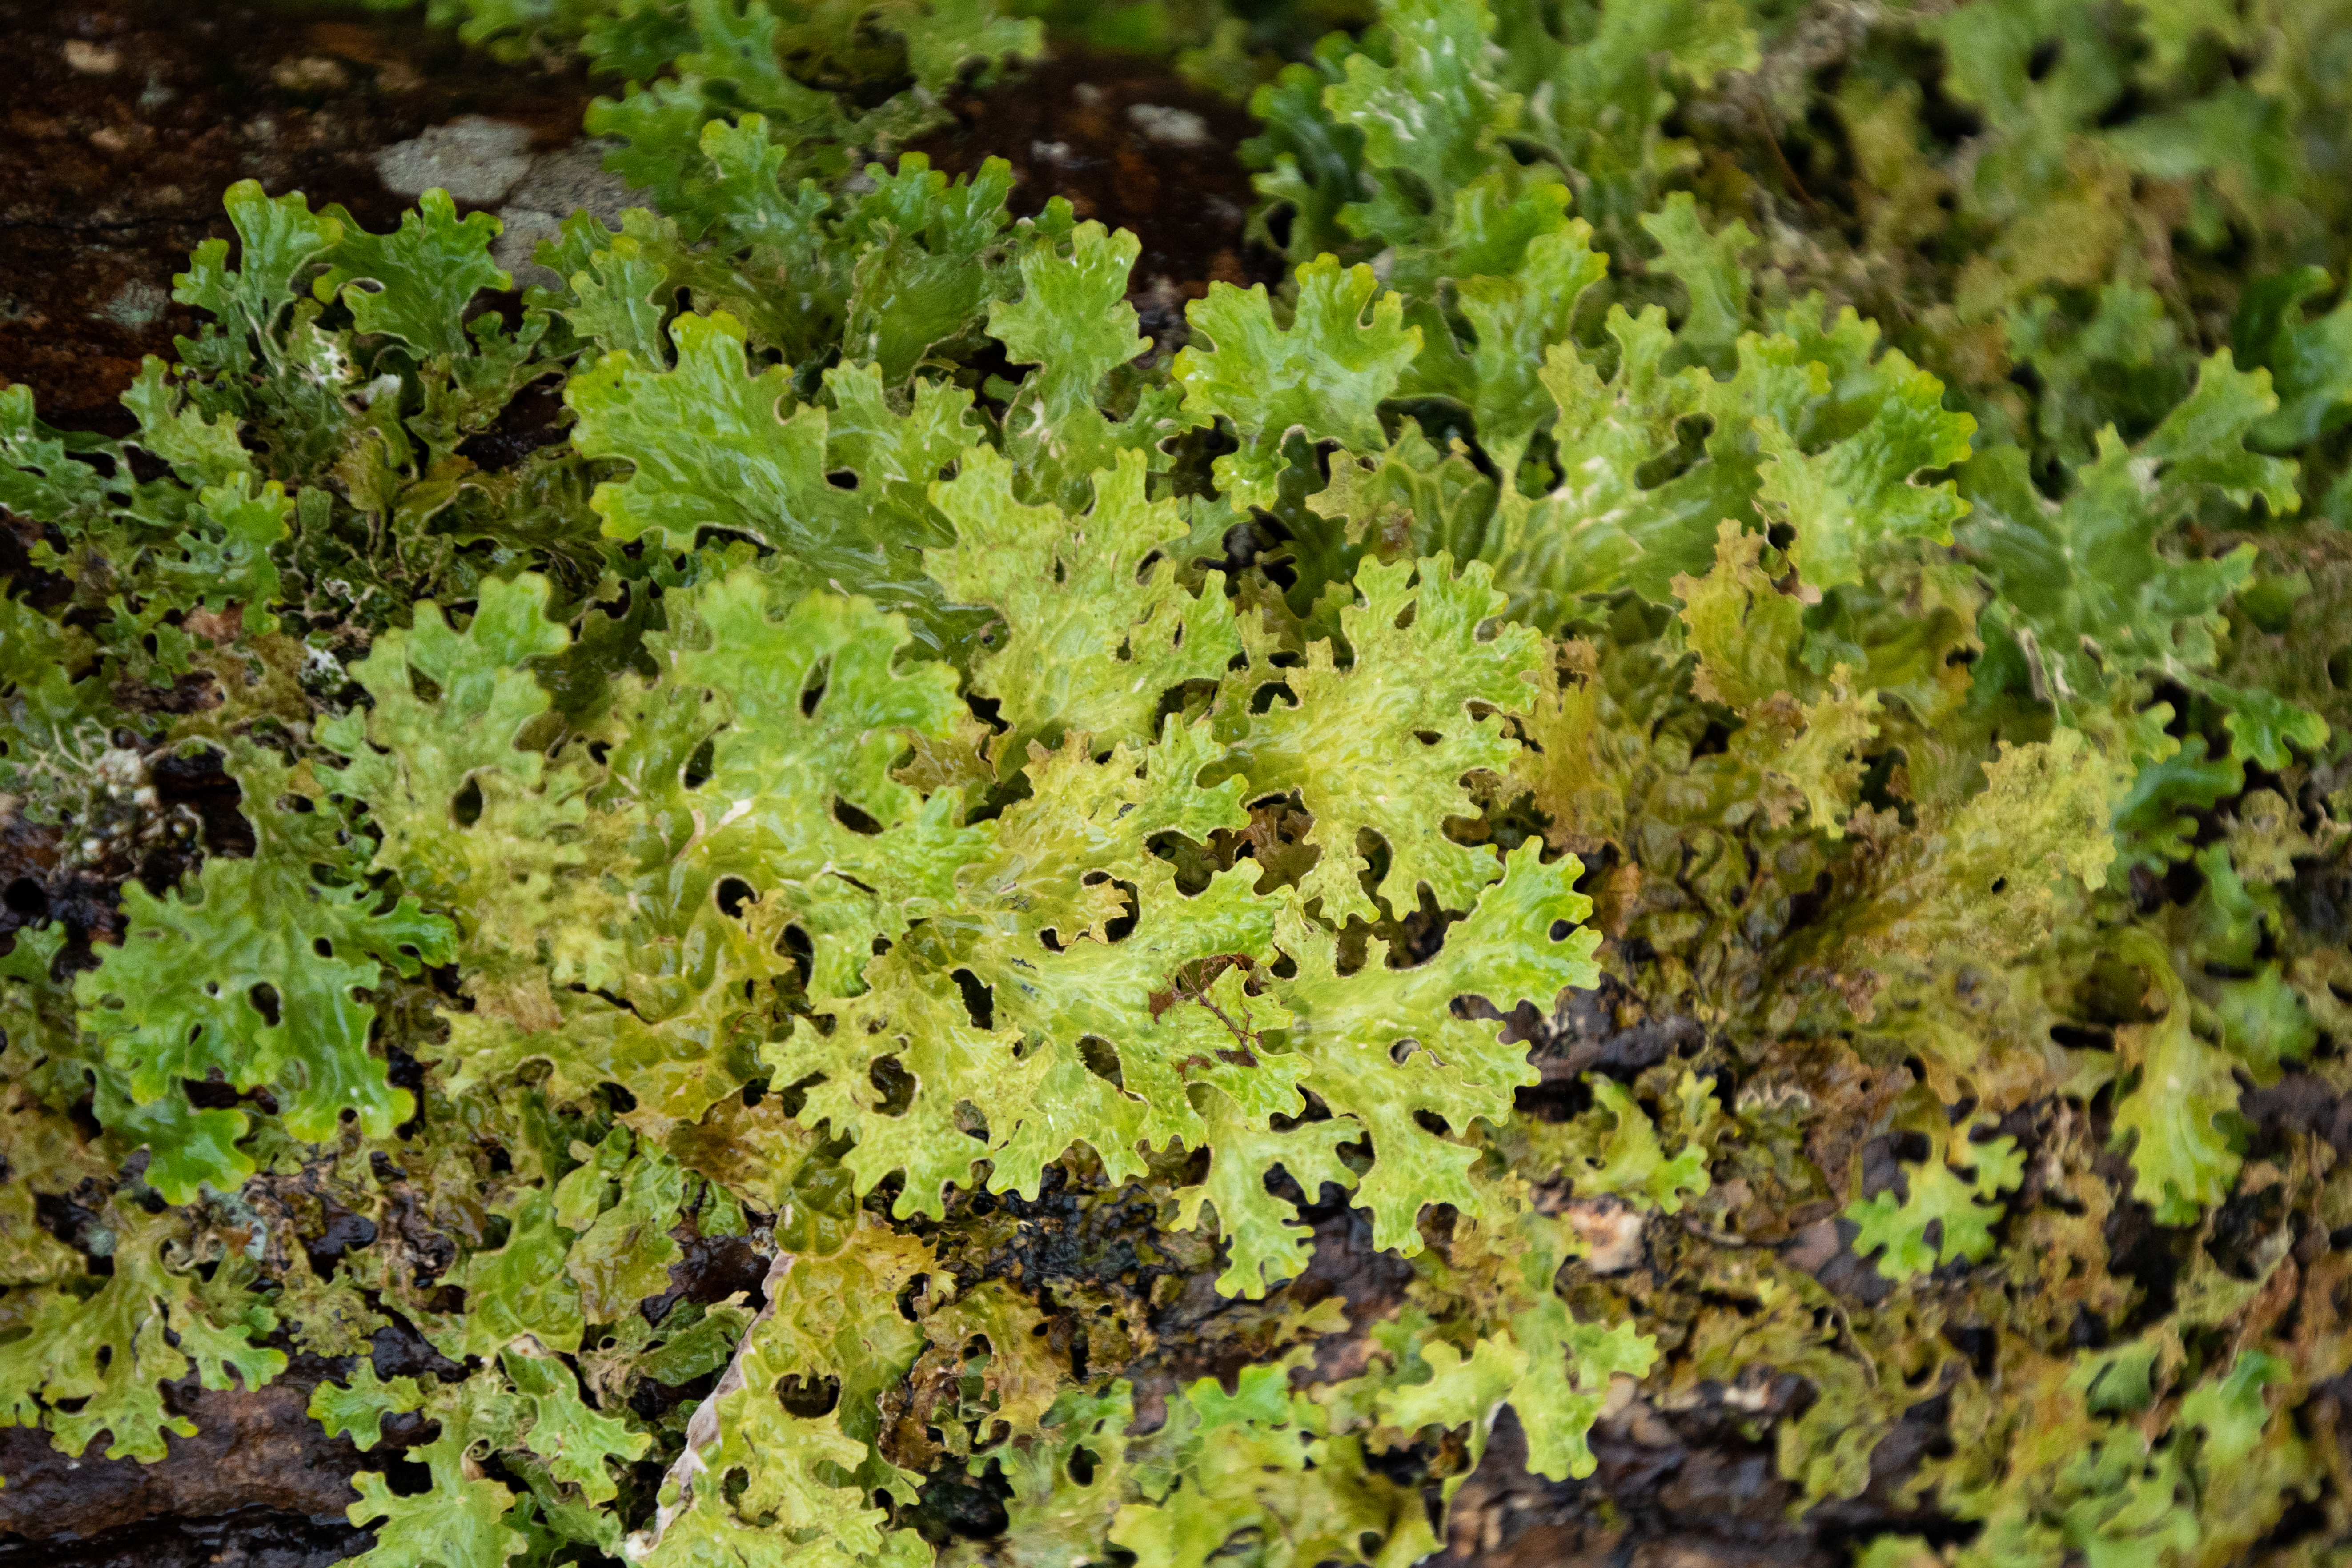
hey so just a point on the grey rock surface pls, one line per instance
(474, 158)
(486, 163)
(569, 180)
(575, 178)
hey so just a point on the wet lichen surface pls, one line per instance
(126, 123)
(1850, 1150)
(131, 120)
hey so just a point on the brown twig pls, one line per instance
(1787, 173)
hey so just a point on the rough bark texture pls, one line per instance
(252, 1450)
(247, 1538)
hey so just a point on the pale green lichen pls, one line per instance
(903, 763)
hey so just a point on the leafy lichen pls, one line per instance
(990, 820)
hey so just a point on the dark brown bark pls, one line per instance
(258, 1470)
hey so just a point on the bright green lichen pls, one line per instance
(1729, 745)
